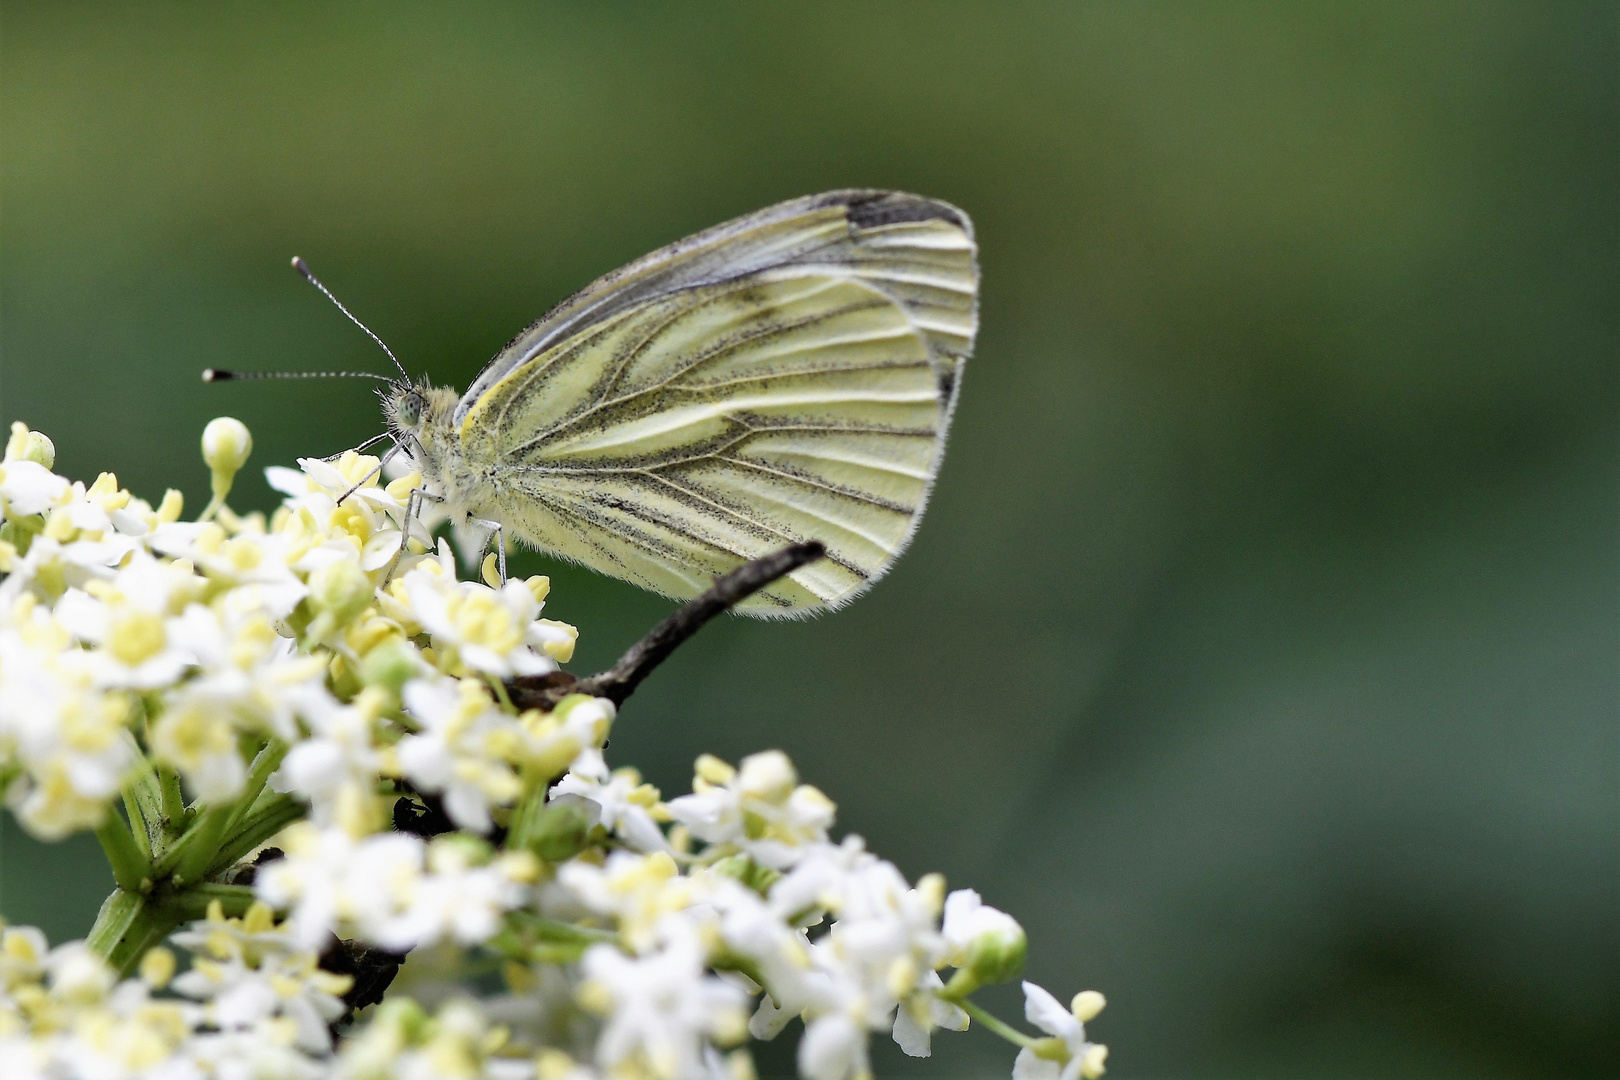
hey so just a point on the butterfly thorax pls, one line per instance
(422, 418)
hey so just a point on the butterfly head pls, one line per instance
(412, 407)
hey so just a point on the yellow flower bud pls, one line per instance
(169, 509)
(540, 586)
(710, 768)
(157, 968)
(1087, 1004)
(931, 889)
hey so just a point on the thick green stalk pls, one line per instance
(138, 827)
(131, 923)
(174, 804)
(131, 866)
(128, 925)
(265, 763)
(269, 817)
(192, 903)
(198, 847)
(144, 794)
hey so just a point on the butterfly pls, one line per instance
(786, 376)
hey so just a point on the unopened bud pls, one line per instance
(555, 831)
(994, 956)
(338, 592)
(226, 445)
(998, 956)
(769, 776)
(25, 445)
(389, 664)
(404, 1015)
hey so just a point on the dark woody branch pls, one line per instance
(620, 681)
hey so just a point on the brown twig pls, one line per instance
(620, 681)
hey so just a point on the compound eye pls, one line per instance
(410, 410)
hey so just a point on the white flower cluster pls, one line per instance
(252, 1004)
(235, 704)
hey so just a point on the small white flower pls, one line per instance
(660, 1007)
(338, 761)
(385, 890)
(461, 750)
(921, 1012)
(486, 629)
(1085, 1059)
(459, 900)
(246, 672)
(620, 802)
(27, 487)
(760, 809)
(248, 971)
(834, 1047)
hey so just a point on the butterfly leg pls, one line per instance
(357, 449)
(413, 509)
(375, 469)
(499, 536)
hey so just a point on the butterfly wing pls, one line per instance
(786, 376)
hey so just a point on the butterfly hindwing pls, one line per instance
(787, 376)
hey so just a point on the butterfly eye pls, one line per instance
(410, 409)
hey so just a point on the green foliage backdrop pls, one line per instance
(1259, 648)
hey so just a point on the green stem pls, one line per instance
(117, 913)
(127, 926)
(215, 505)
(1006, 1031)
(143, 798)
(264, 821)
(193, 903)
(140, 830)
(265, 763)
(174, 804)
(131, 866)
(199, 845)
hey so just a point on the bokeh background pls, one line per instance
(1259, 650)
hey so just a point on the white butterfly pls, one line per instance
(786, 376)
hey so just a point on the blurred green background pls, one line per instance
(1259, 650)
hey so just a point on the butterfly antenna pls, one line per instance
(222, 375)
(303, 268)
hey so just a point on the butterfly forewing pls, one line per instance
(783, 377)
